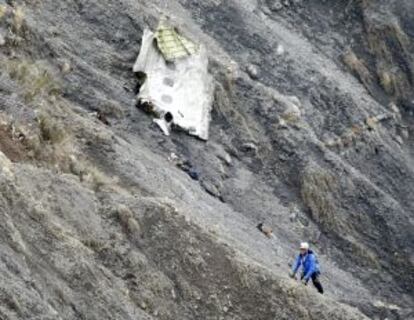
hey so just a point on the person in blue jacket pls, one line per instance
(310, 267)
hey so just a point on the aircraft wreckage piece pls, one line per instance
(177, 86)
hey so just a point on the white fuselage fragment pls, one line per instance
(183, 87)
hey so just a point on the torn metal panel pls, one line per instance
(172, 45)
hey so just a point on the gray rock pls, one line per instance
(211, 188)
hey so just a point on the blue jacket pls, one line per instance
(309, 264)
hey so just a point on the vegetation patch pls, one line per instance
(391, 47)
(318, 193)
(13, 18)
(3, 10)
(358, 67)
(51, 130)
(35, 79)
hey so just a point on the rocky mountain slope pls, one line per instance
(312, 132)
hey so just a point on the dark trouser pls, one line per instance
(316, 282)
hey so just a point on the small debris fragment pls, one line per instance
(65, 68)
(274, 5)
(173, 157)
(280, 50)
(249, 146)
(381, 304)
(405, 134)
(163, 125)
(225, 157)
(394, 108)
(188, 168)
(194, 174)
(282, 123)
(211, 188)
(383, 116)
(20, 136)
(293, 216)
(252, 72)
(2, 40)
(267, 231)
(292, 110)
(283, 157)
(371, 122)
(126, 88)
(286, 3)
(102, 117)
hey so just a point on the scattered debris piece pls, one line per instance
(65, 67)
(394, 108)
(280, 50)
(2, 40)
(383, 116)
(267, 231)
(126, 88)
(249, 146)
(371, 123)
(274, 5)
(185, 165)
(165, 123)
(252, 72)
(173, 157)
(381, 304)
(226, 158)
(404, 132)
(102, 117)
(292, 112)
(190, 170)
(211, 187)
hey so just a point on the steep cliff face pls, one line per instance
(312, 133)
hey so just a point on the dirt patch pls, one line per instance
(12, 147)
